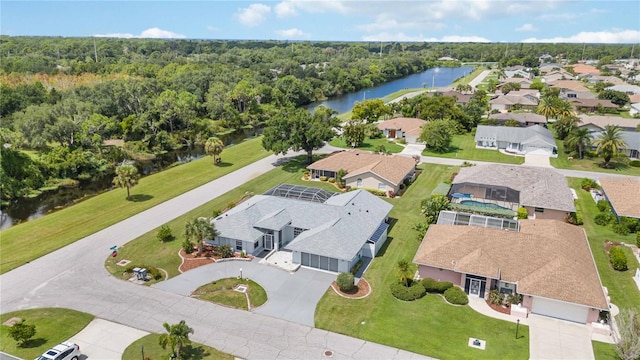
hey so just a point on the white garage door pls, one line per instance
(560, 310)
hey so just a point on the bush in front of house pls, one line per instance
(225, 251)
(603, 206)
(522, 213)
(435, 286)
(574, 218)
(588, 184)
(632, 224)
(377, 192)
(408, 293)
(187, 246)
(345, 281)
(638, 239)
(620, 229)
(323, 178)
(331, 180)
(604, 219)
(618, 258)
(456, 296)
(634, 163)
(164, 233)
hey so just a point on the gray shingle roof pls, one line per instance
(338, 228)
(522, 135)
(538, 187)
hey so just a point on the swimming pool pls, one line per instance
(481, 204)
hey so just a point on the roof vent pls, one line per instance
(218, 218)
(367, 210)
(349, 213)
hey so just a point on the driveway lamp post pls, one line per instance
(517, 326)
(240, 273)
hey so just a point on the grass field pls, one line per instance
(604, 351)
(622, 289)
(30, 240)
(53, 326)
(465, 80)
(369, 144)
(221, 292)
(429, 325)
(146, 249)
(620, 165)
(152, 350)
(464, 147)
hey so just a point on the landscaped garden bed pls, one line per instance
(359, 291)
(208, 256)
(233, 292)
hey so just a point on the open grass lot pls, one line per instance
(400, 93)
(369, 144)
(154, 351)
(466, 79)
(221, 292)
(28, 241)
(464, 147)
(622, 289)
(604, 351)
(429, 325)
(150, 251)
(53, 326)
(620, 165)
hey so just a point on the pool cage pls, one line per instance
(500, 195)
(298, 192)
(456, 218)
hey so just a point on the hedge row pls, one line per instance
(435, 286)
(618, 258)
(410, 293)
(457, 296)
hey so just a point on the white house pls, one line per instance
(516, 140)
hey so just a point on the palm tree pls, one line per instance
(580, 139)
(126, 176)
(563, 108)
(176, 338)
(213, 147)
(200, 229)
(405, 271)
(609, 143)
(546, 108)
(565, 126)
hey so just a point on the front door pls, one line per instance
(267, 242)
(474, 287)
(392, 134)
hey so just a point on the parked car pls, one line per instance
(63, 351)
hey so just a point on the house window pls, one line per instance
(256, 244)
(297, 231)
(359, 183)
(382, 186)
(540, 210)
(239, 245)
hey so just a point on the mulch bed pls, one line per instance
(359, 291)
(609, 244)
(192, 261)
(499, 308)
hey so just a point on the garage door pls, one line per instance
(319, 262)
(560, 310)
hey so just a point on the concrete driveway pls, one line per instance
(412, 149)
(105, 340)
(291, 296)
(537, 158)
(558, 339)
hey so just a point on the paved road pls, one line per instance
(74, 277)
(478, 79)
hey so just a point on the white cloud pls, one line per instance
(285, 9)
(526, 27)
(253, 15)
(385, 36)
(291, 34)
(212, 28)
(608, 37)
(151, 33)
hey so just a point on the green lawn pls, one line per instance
(221, 292)
(465, 80)
(146, 249)
(620, 284)
(369, 144)
(53, 326)
(154, 351)
(620, 164)
(30, 240)
(464, 147)
(429, 325)
(604, 351)
(400, 93)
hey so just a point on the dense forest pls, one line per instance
(61, 98)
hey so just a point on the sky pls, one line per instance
(549, 21)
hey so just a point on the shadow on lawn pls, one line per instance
(223, 164)
(193, 353)
(140, 197)
(33, 343)
(613, 165)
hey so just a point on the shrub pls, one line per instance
(323, 178)
(402, 186)
(638, 239)
(574, 218)
(406, 182)
(604, 219)
(377, 192)
(356, 267)
(588, 184)
(345, 281)
(591, 155)
(618, 258)
(164, 233)
(632, 224)
(522, 213)
(21, 332)
(243, 254)
(620, 229)
(514, 299)
(495, 298)
(408, 293)
(435, 286)
(187, 246)
(215, 213)
(331, 180)
(401, 141)
(603, 206)
(456, 296)
(225, 251)
(231, 205)
(634, 163)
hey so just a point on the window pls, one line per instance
(297, 231)
(359, 183)
(382, 186)
(540, 210)
(239, 245)
(256, 244)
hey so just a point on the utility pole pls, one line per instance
(95, 49)
(583, 49)
(380, 48)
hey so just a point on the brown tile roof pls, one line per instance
(623, 194)
(593, 103)
(393, 168)
(547, 258)
(635, 98)
(574, 85)
(602, 121)
(585, 69)
(411, 126)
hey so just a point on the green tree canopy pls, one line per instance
(176, 337)
(370, 110)
(213, 147)
(127, 176)
(609, 143)
(437, 135)
(200, 229)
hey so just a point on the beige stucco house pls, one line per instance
(408, 129)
